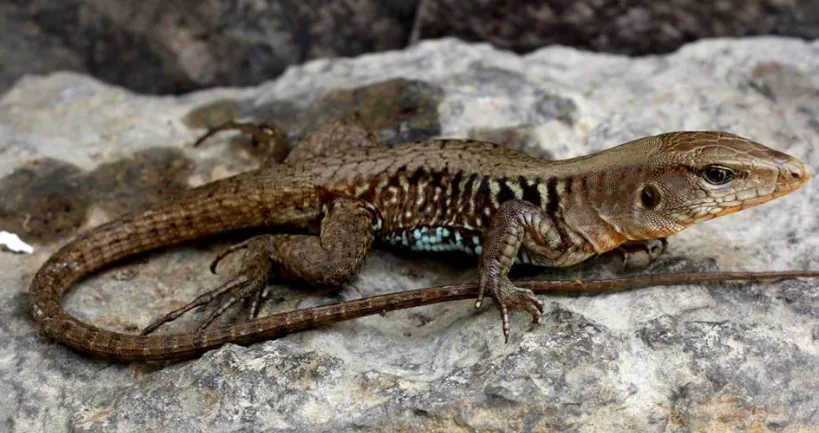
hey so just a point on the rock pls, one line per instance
(733, 357)
(26, 49)
(635, 27)
(175, 46)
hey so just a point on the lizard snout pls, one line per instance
(793, 173)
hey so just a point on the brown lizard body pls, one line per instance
(437, 195)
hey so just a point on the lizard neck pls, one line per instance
(584, 210)
(584, 196)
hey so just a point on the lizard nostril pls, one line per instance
(798, 172)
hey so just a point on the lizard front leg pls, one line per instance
(330, 136)
(640, 254)
(519, 225)
(330, 259)
(267, 136)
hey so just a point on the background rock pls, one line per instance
(162, 46)
(174, 46)
(734, 357)
(634, 27)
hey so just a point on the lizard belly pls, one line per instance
(434, 239)
(445, 239)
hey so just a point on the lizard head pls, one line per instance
(674, 180)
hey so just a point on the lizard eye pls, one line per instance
(717, 174)
(650, 197)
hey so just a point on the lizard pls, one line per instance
(337, 192)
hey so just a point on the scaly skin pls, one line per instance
(437, 195)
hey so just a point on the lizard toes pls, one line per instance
(509, 297)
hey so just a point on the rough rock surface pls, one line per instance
(729, 358)
(635, 27)
(173, 46)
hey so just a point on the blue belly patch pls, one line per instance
(443, 239)
(435, 239)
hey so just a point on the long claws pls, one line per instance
(640, 254)
(249, 283)
(217, 312)
(481, 296)
(213, 131)
(201, 300)
(256, 304)
(228, 251)
(243, 292)
(259, 132)
(505, 319)
(506, 297)
(270, 136)
(522, 300)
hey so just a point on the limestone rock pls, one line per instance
(735, 357)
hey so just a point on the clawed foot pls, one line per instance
(640, 254)
(507, 296)
(248, 284)
(269, 137)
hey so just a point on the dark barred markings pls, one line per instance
(416, 199)
(442, 211)
(567, 186)
(505, 193)
(553, 206)
(530, 192)
(553, 199)
(484, 197)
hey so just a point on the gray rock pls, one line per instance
(635, 27)
(26, 49)
(732, 357)
(172, 46)
(175, 46)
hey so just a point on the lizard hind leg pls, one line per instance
(252, 279)
(330, 259)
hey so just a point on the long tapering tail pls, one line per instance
(247, 200)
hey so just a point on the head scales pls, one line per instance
(659, 185)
